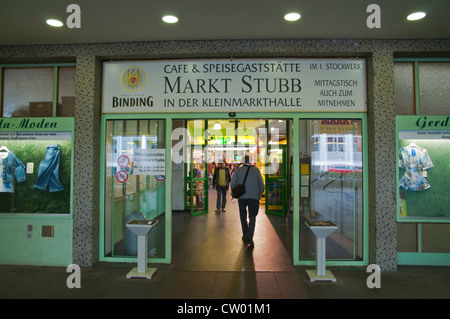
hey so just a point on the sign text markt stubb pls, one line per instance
(289, 85)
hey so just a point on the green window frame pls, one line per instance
(412, 232)
(294, 117)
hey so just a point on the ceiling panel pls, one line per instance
(23, 22)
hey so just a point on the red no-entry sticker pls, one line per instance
(160, 177)
(123, 161)
(122, 176)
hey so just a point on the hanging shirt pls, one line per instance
(415, 160)
(10, 166)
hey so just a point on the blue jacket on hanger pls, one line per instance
(11, 166)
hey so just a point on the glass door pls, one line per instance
(196, 168)
(216, 140)
(276, 181)
(198, 178)
(277, 168)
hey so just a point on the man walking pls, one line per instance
(254, 188)
(221, 182)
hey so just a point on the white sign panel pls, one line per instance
(423, 135)
(288, 85)
(149, 161)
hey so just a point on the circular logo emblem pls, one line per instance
(133, 78)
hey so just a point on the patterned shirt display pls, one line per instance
(414, 159)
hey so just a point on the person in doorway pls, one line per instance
(221, 182)
(249, 201)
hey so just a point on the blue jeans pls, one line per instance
(248, 228)
(48, 174)
(221, 196)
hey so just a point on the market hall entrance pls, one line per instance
(210, 142)
(205, 240)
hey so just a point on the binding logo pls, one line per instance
(133, 78)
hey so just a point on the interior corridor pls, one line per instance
(212, 242)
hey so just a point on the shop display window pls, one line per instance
(38, 91)
(423, 171)
(434, 87)
(36, 166)
(421, 86)
(404, 88)
(331, 185)
(422, 143)
(66, 92)
(134, 184)
(27, 92)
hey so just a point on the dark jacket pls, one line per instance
(254, 185)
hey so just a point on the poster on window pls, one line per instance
(149, 161)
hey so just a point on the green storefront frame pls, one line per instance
(407, 122)
(29, 246)
(295, 118)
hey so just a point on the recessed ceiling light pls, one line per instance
(54, 23)
(292, 16)
(170, 19)
(416, 16)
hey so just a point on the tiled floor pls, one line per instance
(109, 281)
(211, 262)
